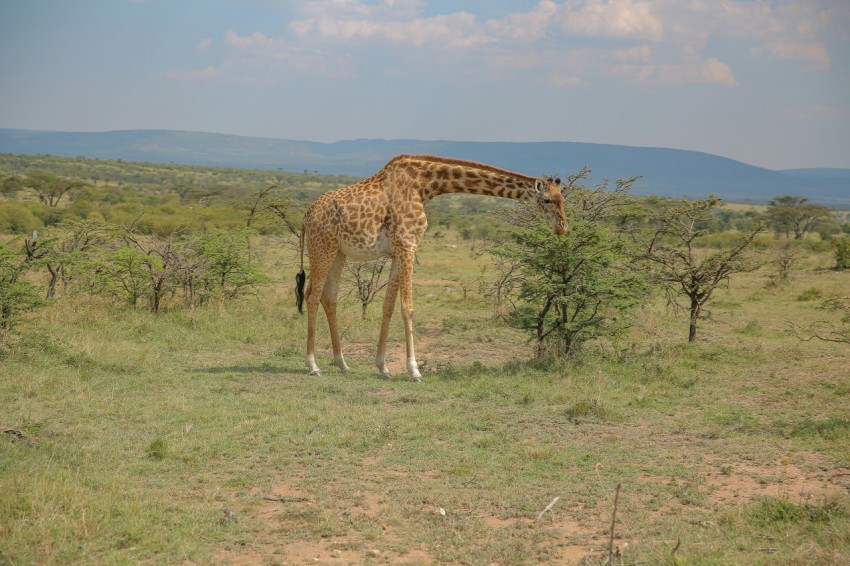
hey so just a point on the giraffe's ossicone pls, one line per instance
(384, 215)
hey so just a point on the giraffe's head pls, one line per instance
(550, 203)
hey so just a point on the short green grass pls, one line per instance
(196, 437)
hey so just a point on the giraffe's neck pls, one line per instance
(435, 176)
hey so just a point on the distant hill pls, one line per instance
(823, 173)
(666, 172)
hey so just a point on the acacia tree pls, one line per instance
(785, 258)
(795, 215)
(48, 188)
(217, 263)
(283, 208)
(565, 290)
(681, 269)
(60, 249)
(270, 204)
(123, 273)
(255, 203)
(153, 268)
(368, 280)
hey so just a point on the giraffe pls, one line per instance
(384, 216)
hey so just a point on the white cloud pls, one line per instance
(709, 71)
(772, 29)
(714, 71)
(205, 44)
(613, 18)
(257, 42)
(524, 26)
(458, 29)
(649, 41)
(260, 46)
(756, 18)
(815, 54)
(401, 21)
(266, 56)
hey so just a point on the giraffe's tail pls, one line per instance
(300, 277)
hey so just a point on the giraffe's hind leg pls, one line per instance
(329, 296)
(389, 305)
(312, 311)
(320, 265)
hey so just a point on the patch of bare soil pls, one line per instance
(741, 482)
(579, 543)
(584, 533)
(396, 354)
(581, 534)
(434, 351)
(286, 509)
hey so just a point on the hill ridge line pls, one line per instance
(664, 171)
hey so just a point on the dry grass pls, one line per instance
(197, 438)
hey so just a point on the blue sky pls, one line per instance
(766, 82)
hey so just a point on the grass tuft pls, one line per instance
(810, 294)
(586, 409)
(156, 450)
(833, 428)
(769, 512)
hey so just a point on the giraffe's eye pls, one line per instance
(547, 200)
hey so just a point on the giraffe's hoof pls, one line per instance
(316, 373)
(416, 378)
(386, 375)
(340, 363)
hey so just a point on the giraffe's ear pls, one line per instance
(538, 184)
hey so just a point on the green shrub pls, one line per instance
(16, 295)
(18, 218)
(841, 247)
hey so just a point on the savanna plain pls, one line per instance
(195, 435)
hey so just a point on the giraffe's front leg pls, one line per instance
(406, 291)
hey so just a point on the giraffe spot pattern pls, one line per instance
(384, 215)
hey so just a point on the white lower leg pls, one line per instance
(311, 365)
(413, 369)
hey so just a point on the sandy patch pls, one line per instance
(741, 482)
(281, 509)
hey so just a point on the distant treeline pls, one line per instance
(37, 192)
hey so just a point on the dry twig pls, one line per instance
(613, 521)
(547, 508)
